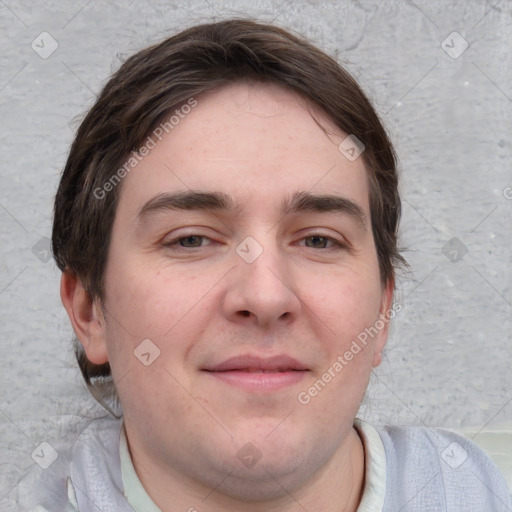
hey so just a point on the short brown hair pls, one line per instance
(154, 82)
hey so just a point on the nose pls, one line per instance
(261, 291)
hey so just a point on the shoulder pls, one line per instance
(438, 469)
(46, 494)
(49, 489)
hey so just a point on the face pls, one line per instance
(247, 295)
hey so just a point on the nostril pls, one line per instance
(245, 313)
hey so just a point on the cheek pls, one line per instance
(348, 308)
(347, 303)
(338, 386)
(149, 302)
(152, 319)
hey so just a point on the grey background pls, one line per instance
(449, 359)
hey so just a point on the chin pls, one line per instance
(265, 481)
(278, 472)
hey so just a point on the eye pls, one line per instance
(187, 242)
(319, 241)
(195, 241)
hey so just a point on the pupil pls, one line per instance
(315, 239)
(191, 238)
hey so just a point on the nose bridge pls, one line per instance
(263, 262)
(263, 284)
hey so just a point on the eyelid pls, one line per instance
(174, 241)
(336, 243)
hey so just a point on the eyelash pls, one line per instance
(173, 244)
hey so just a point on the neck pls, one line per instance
(336, 487)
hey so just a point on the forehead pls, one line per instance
(254, 141)
(262, 119)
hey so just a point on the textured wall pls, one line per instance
(448, 109)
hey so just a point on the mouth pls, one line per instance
(256, 374)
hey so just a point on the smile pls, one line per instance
(256, 374)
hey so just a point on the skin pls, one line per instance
(200, 303)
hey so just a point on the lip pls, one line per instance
(253, 373)
(247, 362)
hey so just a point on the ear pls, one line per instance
(385, 315)
(86, 317)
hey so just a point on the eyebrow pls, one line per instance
(298, 202)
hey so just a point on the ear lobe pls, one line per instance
(384, 316)
(86, 317)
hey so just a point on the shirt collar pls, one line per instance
(375, 468)
(134, 492)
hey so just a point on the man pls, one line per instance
(226, 226)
